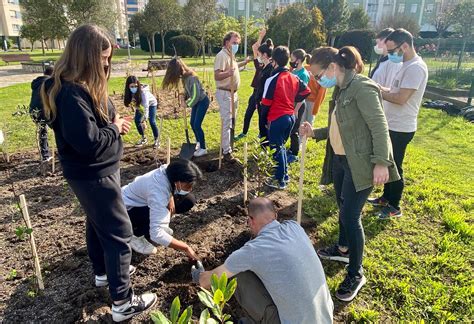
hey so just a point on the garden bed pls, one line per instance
(215, 227)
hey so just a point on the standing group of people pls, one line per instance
(370, 124)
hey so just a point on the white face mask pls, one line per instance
(378, 50)
(260, 59)
(180, 192)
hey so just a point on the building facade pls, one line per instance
(10, 22)
(257, 8)
(134, 6)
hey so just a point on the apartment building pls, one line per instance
(10, 21)
(257, 8)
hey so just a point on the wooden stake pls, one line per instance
(300, 185)
(220, 148)
(26, 217)
(245, 174)
(168, 151)
(53, 160)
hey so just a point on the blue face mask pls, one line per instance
(235, 48)
(133, 90)
(326, 82)
(395, 58)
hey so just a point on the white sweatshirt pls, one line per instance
(148, 99)
(152, 189)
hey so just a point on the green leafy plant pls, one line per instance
(175, 318)
(22, 231)
(216, 299)
(12, 274)
(263, 158)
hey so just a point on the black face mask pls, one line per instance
(294, 65)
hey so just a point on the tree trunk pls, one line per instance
(461, 54)
(42, 46)
(163, 34)
(289, 39)
(149, 46)
(153, 43)
(203, 46)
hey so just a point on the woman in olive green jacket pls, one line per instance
(358, 153)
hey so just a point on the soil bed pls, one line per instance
(215, 227)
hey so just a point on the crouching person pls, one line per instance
(151, 200)
(279, 276)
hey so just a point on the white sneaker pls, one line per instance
(198, 146)
(101, 281)
(200, 152)
(135, 305)
(141, 245)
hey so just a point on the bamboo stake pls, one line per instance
(300, 185)
(26, 217)
(53, 160)
(220, 148)
(245, 174)
(168, 151)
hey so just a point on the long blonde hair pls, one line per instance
(81, 64)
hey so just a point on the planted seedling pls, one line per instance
(263, 158)
(22, 231)
(175, 318)
(216, 299)
(12, 274)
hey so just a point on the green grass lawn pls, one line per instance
(419, 267)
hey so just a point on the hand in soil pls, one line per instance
(196, 272)
(191, 254)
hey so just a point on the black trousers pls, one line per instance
(392, 191)
(262, 127)
(252, 105)
(140, 216)
(350, 202)
(108, 230)
(295, 135)
(43, 140)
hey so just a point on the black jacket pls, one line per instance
(36, 105)
(88, 147)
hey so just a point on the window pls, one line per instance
(132, 9)
(414, 8)
(356, 5)
(15, 14)
(14, 1)
(429, 8)
(132, 2)
(16, 28)
(241, 5)
(256, 7)
(401, 8)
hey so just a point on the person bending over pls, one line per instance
(279, 276)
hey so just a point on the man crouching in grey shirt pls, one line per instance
(279, 276)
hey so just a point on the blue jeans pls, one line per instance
(139, 119)
(278, 134)
(197, 116)
(350, 202)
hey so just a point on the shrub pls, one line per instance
(185, 46)
(363, 40)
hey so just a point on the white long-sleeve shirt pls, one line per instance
(152, 189)
(148, 99)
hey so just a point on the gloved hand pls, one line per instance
(196, 271)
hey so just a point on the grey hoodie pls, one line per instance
(194, 90)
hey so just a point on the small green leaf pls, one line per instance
(223, 282)
(206, 299)
(212, 321)
(204, 316)
(226, 317)
(217, 311)
(218, 297)
(186, 316)
(28, 231)
(159, 318)
(175, 308)
(230, 290)
(214, 283)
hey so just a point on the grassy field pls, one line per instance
(419, 267)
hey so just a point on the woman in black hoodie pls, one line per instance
(87, 130)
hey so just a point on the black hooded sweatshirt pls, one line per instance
(88, 147)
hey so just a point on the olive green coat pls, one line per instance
(363, 129)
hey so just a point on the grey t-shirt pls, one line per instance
(412, 75)
(284, 259)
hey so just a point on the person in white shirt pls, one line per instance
(385, 70)
(150, 204)
(402, 102)
(279, 276)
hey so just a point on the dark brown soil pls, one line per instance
(214, 228)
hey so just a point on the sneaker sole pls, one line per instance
(354, 294)
(389, 216)
(120, 318)
(334, 258)
(100, 284)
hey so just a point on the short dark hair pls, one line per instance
(48, 70)
(266, 48)
(400, 36)
(261, 205)
(183, 171)
(384, 33)
(281, 55)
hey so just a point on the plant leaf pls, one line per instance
(212, 321)
(175, 308)
(28, 231)
(214, 283)
(159, 318)
(218, 297)
(230, 290)
(206, 299)
(204, 316)
(223, 283)
(217, 311)
(226, 317)
(186, 315)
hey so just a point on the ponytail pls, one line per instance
(308, 58)
(266, 48)
(300, 54)
(347, 57)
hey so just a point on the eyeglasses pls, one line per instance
(392, 51)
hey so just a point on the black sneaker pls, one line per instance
(135, 305)
(334, 254)
(389, 212)
(349, 288)
(378, 202)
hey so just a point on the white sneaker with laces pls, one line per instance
(198, 146)
(101, 281)
(135, 305)
(200, 152)
(141, 245)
